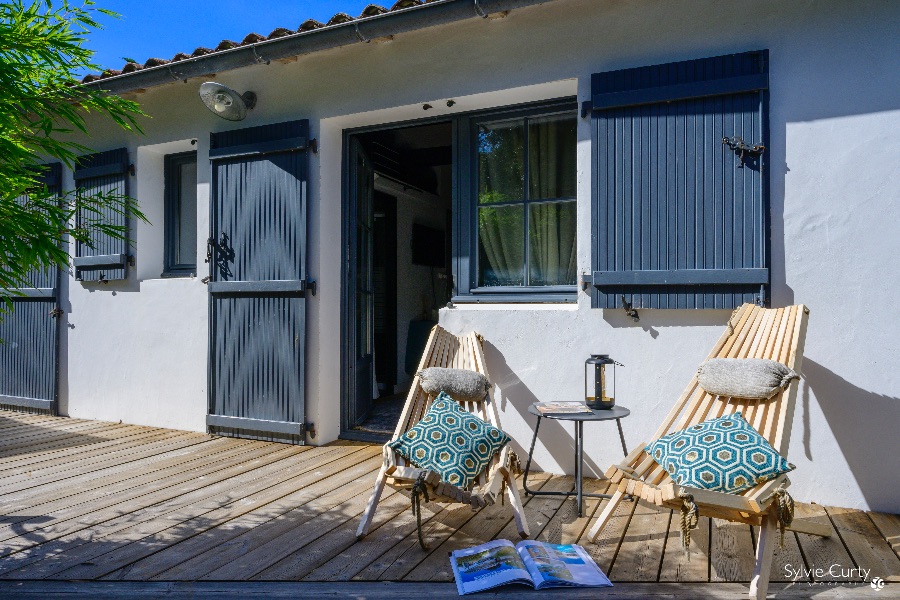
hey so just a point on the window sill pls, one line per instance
(178, 274)
(531, 296)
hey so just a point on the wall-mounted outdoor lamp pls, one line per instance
(225, 102)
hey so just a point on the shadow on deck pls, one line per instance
(91, 501)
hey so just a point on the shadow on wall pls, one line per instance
(558, 438)
(865, 426)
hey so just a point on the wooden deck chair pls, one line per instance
(752, 332)
(447, 350)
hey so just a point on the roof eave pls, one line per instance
(440, 12)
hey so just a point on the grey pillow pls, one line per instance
(754, 378)
(460, 384)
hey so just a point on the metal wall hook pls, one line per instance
(629, 309)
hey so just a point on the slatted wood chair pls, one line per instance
(752, 332)
(447, 350)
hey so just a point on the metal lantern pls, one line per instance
(600, 382)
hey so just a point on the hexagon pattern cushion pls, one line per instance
(453, 443)
(723, 455)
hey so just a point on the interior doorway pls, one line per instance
(399, 197)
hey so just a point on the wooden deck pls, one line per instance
(85, 500)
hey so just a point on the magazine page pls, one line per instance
(563, 408)
(487, 566)
(552, 565)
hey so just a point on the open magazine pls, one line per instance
(538, 564)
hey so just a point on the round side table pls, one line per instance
(617, 412)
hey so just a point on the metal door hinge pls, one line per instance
(310, 428)
(56, 312)
(311, 286)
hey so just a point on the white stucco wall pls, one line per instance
(137, 351)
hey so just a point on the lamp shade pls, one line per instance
(225, 102)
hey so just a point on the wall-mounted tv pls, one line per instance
(428, 246)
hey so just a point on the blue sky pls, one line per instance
(162, 28)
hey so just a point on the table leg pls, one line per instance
(528, 462)
(622, 437)
(579, 456)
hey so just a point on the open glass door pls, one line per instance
(360, 285)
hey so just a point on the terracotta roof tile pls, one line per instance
(340, 18)
(226, 45)
(156, 62)
(252, 38)
(372, 10)
(309, 25)
(279, 32)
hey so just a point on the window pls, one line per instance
(520, 207)
(680, 184)
(181, 214)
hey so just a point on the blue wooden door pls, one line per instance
(258, 282)
(29, 336)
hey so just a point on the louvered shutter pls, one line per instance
(258, 282)
(680, 218)
(30, 333)
(106, 258)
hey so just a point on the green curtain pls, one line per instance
(552, 225)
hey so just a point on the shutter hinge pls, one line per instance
(587, 280)
(310, 287)
(131, 169)
(310, 428)
(56, 312)
(586, 108)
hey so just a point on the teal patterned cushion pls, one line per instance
(723, 455)
(453, 443)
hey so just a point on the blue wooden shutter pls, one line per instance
(680, 218)
(258, 281)
(30, 333)
(107, 257)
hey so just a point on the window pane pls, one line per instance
(552, 243)
(501, 245)
(187, 215)
(552, 144)
(501, 162)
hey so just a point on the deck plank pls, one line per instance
(104, 464)
(641, 552)
(93, 500)
(326, 538)
(678, 565)
(539, 511)
(889, 527)
(864, 542)
(151, 528)
(108, 442)
(604, 550)
(403, 558)
(732, 553)
(232, 531)
(97, 505)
